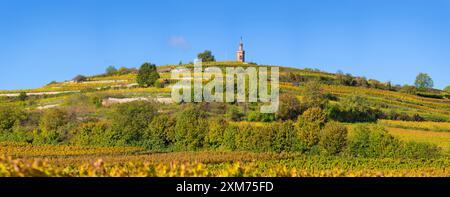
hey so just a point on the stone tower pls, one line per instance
(240, 54)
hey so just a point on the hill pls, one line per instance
(332, 120)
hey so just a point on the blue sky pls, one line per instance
(389, 40)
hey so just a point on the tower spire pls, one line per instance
(241, 53)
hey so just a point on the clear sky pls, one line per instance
(389, 40)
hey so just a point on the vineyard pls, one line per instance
(326, 127)
(300, 166)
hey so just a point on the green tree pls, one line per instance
(284, 137)
(54, 126)
(206, 56)
(79, 78)
(10, 117)
(111, 70)
(333, 138)
(159, 134)
(190, 129)
(290, 107)
(147, 75)
(309, 125)
(423, 81)
(215, 135)
(130, 120)
(313, 95)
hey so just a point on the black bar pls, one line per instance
(285, 186)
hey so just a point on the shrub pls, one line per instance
(159, 135)
(92, 134)
(353, 108)
(22, 96)
(130, 120)
(313, 96)
(190, 129)
(255, 116)
(229, 137)
(409, 89)
(375, 141)
(235, 114)
(285, 138)
(419, 150)
(290, 107)
(309, 125)
(215, 136)
(54, 126)
(333, 138)
(10, 117)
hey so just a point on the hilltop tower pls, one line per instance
(240, 54)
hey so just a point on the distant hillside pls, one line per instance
(391, 99)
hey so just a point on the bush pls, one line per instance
(285, 138)
(229, 138)
(333, 138)
(235, 114)
(22, 96)
(54, 127)
(409, 89)
(309, 125)
(92, 134)
(160, 134)
(130, 120)
(190, 129)
(375, 141)
(290, 107)
(10, 117)
(313, 96)
(255, 116)
(215, 136)
(353, 108)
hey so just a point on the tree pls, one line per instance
(309, 125)
(206, 56)
(131, 120)
(190, 129)
(313, 95)
(147, 75)
(423, 81)
(10, 117)
(290, 107)
(54, 125)
(79, 78)
(111, 70)
(333, 138)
